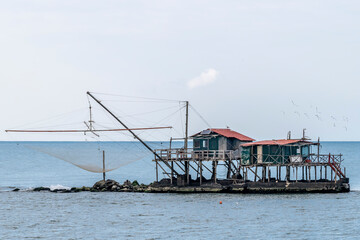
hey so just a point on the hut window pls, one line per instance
(273, 150)
(204, 144)
(305, 150)
(196, 143)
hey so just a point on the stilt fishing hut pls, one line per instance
(285, 165)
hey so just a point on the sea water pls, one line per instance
(87, 215)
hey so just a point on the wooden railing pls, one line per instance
(190, 154)
(312, 158)
(324, 158)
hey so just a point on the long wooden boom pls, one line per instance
(74, 130)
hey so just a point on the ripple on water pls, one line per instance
(178, 216)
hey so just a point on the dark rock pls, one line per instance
(85, 188)
(108, 185)
(127, 183)
(114, 188)
(135, 183)
(16, 190)
(38, 189)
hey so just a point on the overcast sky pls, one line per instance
(260, 67)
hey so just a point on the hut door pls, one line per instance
(259, 154)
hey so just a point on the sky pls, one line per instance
(262, 68)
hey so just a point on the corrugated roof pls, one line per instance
(226, 132)
(276, 142)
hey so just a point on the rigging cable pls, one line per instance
(201, 117)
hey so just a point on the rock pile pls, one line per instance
(103, 186)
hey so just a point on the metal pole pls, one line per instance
(201, 175)
(172, 164)
(318, 150)
(104, 165)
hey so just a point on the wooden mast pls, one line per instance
(187, 163)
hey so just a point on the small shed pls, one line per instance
(219, 139)
(276, 151)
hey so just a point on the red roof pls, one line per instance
(276, 142)
(226, 132)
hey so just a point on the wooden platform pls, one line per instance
(339, 186)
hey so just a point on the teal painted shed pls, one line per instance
(219, 139)
(276, 151)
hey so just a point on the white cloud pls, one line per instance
(205, 78)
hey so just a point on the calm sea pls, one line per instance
(44, 215)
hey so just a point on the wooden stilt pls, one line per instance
(157, 174)
(325, 172)
(287, 173)
(255, 173)
(302, 172)
(172, 163)
(315, 172)
(296, 178)
(321, 175)
(229, 169)
(200, 164)
(215, 170)
(280, 173)
(172, 172)
(246, 174)
(309, 174)
(263, 174)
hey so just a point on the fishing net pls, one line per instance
(94, 157)
(95, 141)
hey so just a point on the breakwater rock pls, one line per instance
(101, 186)
(113, 186)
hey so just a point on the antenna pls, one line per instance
(289, 135)
(304, 135)
(90, 120)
